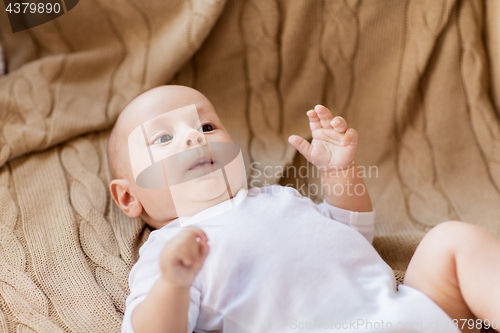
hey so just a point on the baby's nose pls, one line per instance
(198, 139)
(193, 139)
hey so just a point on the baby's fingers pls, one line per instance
(339, 124)
(187, 257)
(350, 137)
(314, 121)
(198, 234)
(204, 248)
(191, 245)
(300, 144)
(194, 258)
(324, 115)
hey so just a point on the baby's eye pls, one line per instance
(164, 138)
(207, 128)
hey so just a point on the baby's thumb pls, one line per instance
(300, 144)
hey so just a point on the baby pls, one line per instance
(225, 258)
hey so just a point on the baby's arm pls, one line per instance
(354, 195)
(165, 308)
(362, 222)
(332, 151)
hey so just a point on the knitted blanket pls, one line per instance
(418, 79)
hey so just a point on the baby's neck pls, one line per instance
(216, 207)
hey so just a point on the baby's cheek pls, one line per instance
(158, 204)
(235, 173)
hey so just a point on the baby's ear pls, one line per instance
(128, 203)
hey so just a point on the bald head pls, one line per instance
(144, 107)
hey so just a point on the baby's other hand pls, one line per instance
(334, 144)
(183, 256)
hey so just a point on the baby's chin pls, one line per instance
(210, 190)
(199, 194)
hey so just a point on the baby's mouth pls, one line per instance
(202, 163)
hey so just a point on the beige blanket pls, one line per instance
(419, 80)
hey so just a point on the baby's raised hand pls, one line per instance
(334, 144)
(183, 256)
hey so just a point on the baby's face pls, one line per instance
(179, 157)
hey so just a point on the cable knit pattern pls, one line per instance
(89, 197)
(2, 62)
(260, 24)
(27, 306)
(482, 114)
(425, 202)
(416, 78)
(340, 22)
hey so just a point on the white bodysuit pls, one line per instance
(278, 262)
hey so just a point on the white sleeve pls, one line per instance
(363, 222)
(142, 278)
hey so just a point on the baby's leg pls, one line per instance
(457, 265)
